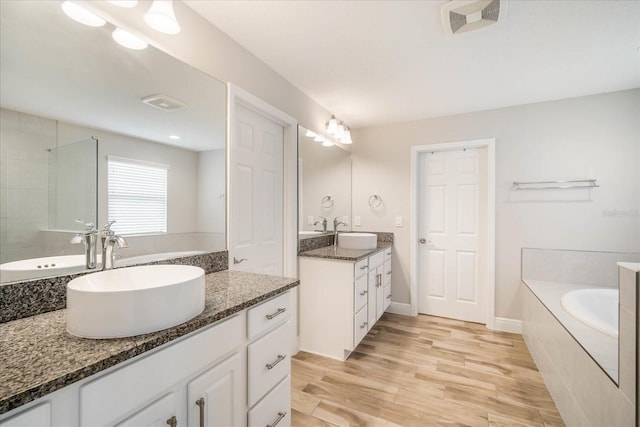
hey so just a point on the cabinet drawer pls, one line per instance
(386, 275)
(360, 326)
(133, 385)
(275, 409)
(157, 413)
(269, 362)
(376, 259)
(268, 315)
(36, 416)
(360, 288)
(387, 254)
(361, 267)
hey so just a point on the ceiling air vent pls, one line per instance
(460, 16)
(163, 102)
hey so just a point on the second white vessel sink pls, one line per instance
(134, 300)
(357, 240)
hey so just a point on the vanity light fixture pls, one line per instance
(128, 40)
(82, 15)
(332, 125)
(124, 3)
(161, 18)
(346, 139)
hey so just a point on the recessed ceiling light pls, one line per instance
(128, 40)
(82, 15)
(176, 137)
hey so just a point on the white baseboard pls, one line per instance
(399, 308)
(507, 325)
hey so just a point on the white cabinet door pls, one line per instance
(275, 409)
(215, 396)
(379, 292)
(157, 414)
(387, 296)
(371, 297)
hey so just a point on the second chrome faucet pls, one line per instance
(108, 240)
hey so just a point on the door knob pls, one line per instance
(423, 240)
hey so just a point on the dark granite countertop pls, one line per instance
(333, 252)
(38, 355)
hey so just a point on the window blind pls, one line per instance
(137, 196)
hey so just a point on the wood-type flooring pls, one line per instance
(424, 371)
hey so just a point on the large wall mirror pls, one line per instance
(78, 142)
(324, 185)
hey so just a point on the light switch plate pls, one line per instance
(356, 221)
(399, 221)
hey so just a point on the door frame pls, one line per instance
(238, 96)
(490, 247)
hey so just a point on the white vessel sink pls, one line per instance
(42, 267)
(134, 300)
(357, 240)
(305, 234)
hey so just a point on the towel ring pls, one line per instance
(327, 202)
(375, 201)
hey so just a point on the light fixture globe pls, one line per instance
(82, 15)
(332, 125)
(161, 18)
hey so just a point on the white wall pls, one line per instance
(588, 137)
(211, 191)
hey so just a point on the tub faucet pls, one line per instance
(90, 240)
(324, 224)
(336, 223)
(109, 240)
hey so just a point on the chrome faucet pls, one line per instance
(336, 223)
(90, 240)
(324, 224)
(109, 240)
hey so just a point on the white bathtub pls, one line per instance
(596, 307)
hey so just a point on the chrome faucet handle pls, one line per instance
(91, 227)
(106, 230)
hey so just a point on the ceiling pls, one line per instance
(373, 62)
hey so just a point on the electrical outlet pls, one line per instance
(399, 221)
(356, 221)
(345, 219)
(309, 220)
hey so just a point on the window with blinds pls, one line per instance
(137, 196)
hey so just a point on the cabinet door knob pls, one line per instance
(364, 325)
(273, 364)
(275, 422)
(173, 421)
(200, 403)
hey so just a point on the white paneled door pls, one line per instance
(256, 229)
(452, 232)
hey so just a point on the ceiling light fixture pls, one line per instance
(161, 18)
(128, 40)
(82, 15)
(124, 3)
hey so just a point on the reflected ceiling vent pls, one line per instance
(163, 102)
(461, 16)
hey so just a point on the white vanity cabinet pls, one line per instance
(226, 374)
(340, 301)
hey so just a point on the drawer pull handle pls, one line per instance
(200, 403)
(277, 313)
(173, 421)
(364, 325)
(273, 364)
(275, 422)
(363, 293)
(238, 261)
